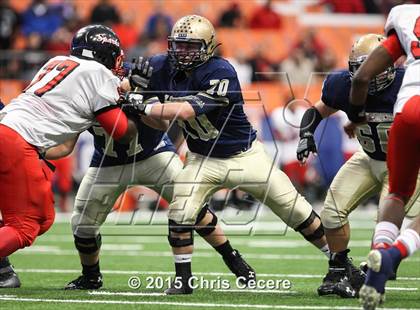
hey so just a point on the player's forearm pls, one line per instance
(61, 150)
(376, 63)
(129, 134)
(310, 121)
(172, 110)
(155, 123)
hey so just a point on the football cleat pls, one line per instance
(334, 276)
(179, 288)
(392, 277)
(9, 278)
(240, 268)
(344, 289)
(84, 282)
(343, 279)
(380, 267)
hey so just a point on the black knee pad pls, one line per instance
(210, 227)
(88, 245)
(317, 234)
(176, 242)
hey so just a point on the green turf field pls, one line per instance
(45, 268)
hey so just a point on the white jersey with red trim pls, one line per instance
(405, 21)
(61, 101)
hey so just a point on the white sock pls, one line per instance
(386, 233)
(326, 250)
(410, 239)
(182, 258)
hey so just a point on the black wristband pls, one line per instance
(310, 121)
(356, 113)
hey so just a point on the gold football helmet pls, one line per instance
(360, 51)
(192, 42)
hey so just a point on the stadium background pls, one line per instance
(281, 50)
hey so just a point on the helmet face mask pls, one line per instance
(191, 43)
(186, 55)
(99, 43)
(360, 51)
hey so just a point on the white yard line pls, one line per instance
(181, 304)
(401, 288)
(106, 293)
(255, 291)
(215, 274)
(55, 250)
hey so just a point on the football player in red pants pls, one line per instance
(67, 96)
(391, 246)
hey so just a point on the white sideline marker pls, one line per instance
(185, 304)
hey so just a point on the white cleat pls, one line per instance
(374, 260)
(370, 298)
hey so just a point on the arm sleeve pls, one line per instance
(114, 121)
(393, 46)
(218, 88)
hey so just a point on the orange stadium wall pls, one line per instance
(276, 45)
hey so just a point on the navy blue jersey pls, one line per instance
(148, 142)
(1, 105)
(373, 136)
(220, 128)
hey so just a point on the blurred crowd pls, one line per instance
(29, 37)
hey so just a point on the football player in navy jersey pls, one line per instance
(149, 160)
(8, 277)
(365, 173)
(202, 92)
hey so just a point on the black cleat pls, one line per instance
(344, 289)
(343, 278)
(240, 268)
(9, 278)
(334, 276)
(356, 276)
(91, 282)
(179, 287)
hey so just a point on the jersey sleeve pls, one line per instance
(106, 91)
(391, 21)
(218, 88)
(393, 46)
(331, 92)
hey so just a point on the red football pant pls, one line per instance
(26, 201)
(403, 157)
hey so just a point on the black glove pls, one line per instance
(140, 73)
(132, 103)
(305, 147)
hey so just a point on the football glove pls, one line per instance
(140, 73)
(132, 103)
(305, 147)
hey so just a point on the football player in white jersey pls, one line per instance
(403, 160)
(66, 96)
